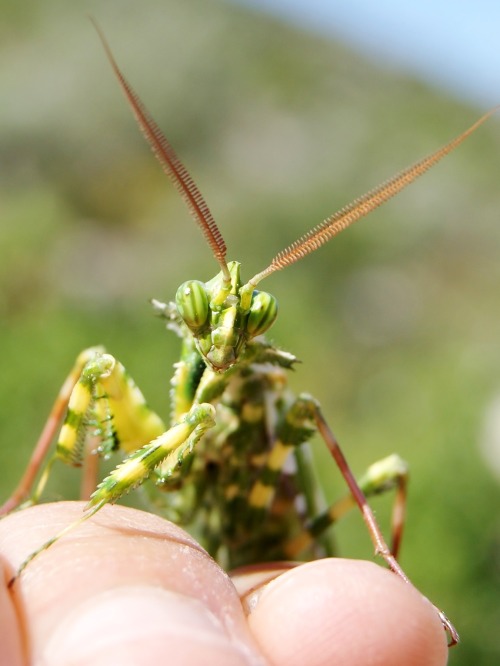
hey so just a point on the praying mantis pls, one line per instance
(232, 465)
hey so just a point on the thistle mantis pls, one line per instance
(223, 460)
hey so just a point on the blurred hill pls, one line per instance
(397, 321)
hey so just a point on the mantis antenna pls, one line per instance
(172, 165)
(313, 239)
(361, 206)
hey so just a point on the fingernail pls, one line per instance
(251, 581)
(140, 625)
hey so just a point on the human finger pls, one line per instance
(125, 587)
(344, 612)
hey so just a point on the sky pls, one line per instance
(452, 44)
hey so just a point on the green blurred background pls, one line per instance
(397, 322)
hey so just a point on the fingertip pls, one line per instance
(346, 612)
(113, 591)
(11, 651)
(143, 624)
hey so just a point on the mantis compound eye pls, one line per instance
(193, 304)
(263, 312)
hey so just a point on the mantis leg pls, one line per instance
(381, 547)
(390, 473)
(170, 448)
(25, 486)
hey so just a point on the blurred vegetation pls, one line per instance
(397, 321)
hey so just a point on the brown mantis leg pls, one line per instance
(381, 547)
(39, 455)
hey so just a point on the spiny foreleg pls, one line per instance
(25, 486)
(101, 401)
(169, 449)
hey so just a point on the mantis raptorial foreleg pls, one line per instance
(24, 493)
(170, 447)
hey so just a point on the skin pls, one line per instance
(128, 587)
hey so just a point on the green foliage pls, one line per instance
(396, 321)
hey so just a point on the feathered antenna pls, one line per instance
(360, 207)
(171, 164)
